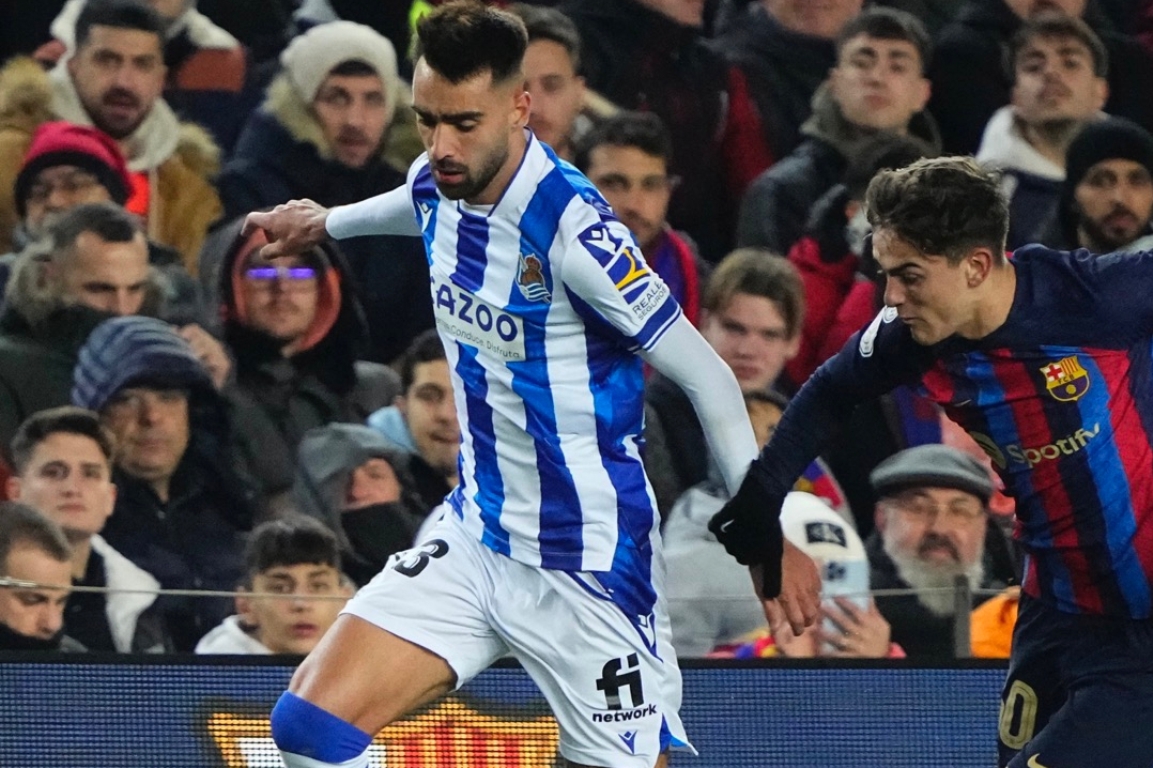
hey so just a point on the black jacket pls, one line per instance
(970, 81)
(778, 203)
(196, 539)
(275, 399)
(638, 58)
(36, 362)
(270, 166)
(783, 70)
(921, 633)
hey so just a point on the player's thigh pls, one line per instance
(417, 630)
(368, 676)
(612, 682)
(1104, 723)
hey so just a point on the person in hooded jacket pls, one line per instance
(296, 329)
(183, 505)
(323, 133)
(359, 484)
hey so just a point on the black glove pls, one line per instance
(749, 527)
(827, 222)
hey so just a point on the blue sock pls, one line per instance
(313, 738)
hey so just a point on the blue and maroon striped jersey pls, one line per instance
(1060, 397)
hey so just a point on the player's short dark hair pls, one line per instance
(543, 23)
(290, 540)
(642, 130)
(885, 153)
(110, 222)
(353, 68)
(758, 272)
(944, 206)
(1056, 25)
(889, 24)
(24, 526)
(425, 348)
(466, 38)
(120, 14)
(66, 419)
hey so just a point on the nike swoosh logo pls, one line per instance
(963, 403)
(1035, 762)
(725, 526)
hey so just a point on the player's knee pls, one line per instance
(310, 737)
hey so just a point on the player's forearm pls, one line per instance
(687, 359)
(387, 214)
(810, 423)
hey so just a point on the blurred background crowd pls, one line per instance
(179, 413)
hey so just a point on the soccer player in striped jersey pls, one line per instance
(550, 549)
(1046, 359)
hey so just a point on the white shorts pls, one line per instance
(612, 682)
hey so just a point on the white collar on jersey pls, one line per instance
(521, 187)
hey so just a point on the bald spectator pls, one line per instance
(113, 81)
(971, 82)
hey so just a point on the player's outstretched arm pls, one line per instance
(293, 227)
(687, 359)
(300, 225)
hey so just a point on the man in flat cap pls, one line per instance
(932, 522)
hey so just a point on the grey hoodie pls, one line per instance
(326, 460)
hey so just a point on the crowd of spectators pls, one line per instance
(178, 412)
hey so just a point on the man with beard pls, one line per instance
(113, 81)
(1106, 200)
(931, 525)
(321, 134)
(1044, 360)
(1059, 87)
(545, 307)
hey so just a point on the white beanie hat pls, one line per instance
(814, 528)
(310, 57)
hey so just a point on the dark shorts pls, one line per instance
(1079, 692)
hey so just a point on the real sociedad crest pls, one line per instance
(530, 279)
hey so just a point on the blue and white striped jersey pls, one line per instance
(542, 301)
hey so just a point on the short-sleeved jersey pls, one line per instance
(542, 302)
(1060, 397)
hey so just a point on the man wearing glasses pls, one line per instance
(931, 527)
(295, 326)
